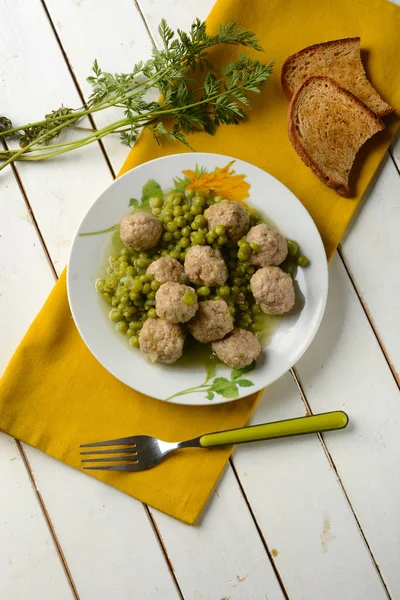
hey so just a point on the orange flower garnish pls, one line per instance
(223, 182)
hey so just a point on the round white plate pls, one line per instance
(289, 340)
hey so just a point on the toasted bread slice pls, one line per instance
(340, 60)
(327, 127)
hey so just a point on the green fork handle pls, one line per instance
(312, 424)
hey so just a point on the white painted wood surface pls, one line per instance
(301, 518)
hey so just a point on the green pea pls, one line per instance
(200, 220)
(144, 278)
(235, 290)
(111, 282)
(156, 202)
(293, 248)
(142, 263)
(180, 221)
(134, 341)
(124, 300)
(242, 256)
(167, 236)
(164, 252)
(167, 220)
(99, 285)
(107, 297)
(178, 211)
(156, 212)
(186, 231)
(146, 288)
(114, 301)
(216, 297)
(171, 226)
(189, 298)
(198, 239)
(250, 269)
(199, 200)
(218, 198)
(255, 309)
(186, 208)
(113, 258)
(175, 253)
(204, 290)
(144, 317)
(177, 235)
(256, 327)
(195, 209)
(232, 310)
(258, 317)
(190, 193)
(182, 256)
(136, 324)
(177, 200)
(222, 239)
(155, 285)
(220, 230)
(195, 225)
(136, 286)
(184, 243)
(115, 315)
(255, 247)
(129, 311)
(210, 239)
(189, 216)
(152, 313)
(122, 326)
(238, 281)
(130, 271)
(213, 234)
(151, 295)
(110, 270)
(303, 261)
(224, 291)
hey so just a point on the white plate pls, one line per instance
(289, 340)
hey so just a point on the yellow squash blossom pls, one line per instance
(223, 182)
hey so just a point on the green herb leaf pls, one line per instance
(149, 190)
(210, 396)
(236, 373)
(244, 382)
(134, 202)
(181, 183)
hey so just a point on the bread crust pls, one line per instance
(310, 49)
(342, 190)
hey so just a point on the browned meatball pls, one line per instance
(238, 349)
(273, 289)
(175, 302)
(162, 341)
(203, 265)
(140, 231)
(232, 215)
(212, 321)
(166, 269)
(272, 243)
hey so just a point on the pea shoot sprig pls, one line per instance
(194, 96)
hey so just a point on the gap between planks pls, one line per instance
(297, 380)
(293, 372)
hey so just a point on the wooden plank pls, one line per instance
(345, 368)
(302, 512)
(27, 551)
(371, 249)
(223, 556)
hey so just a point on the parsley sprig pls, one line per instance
(194, 96)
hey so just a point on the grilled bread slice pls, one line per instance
(340, 60)
(327, 127)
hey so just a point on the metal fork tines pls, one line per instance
(135, 453)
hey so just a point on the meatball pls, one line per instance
(166, 269)
(238, 349)
(212, 322)
(161, 341)
(203, 265)
(272, 243)
(273, 289)
(140, 231)
(175, 302)
(232, 215)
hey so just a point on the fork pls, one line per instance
(141, 452)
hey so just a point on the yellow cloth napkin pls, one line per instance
(55, 395)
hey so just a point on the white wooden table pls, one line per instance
(309, 518)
